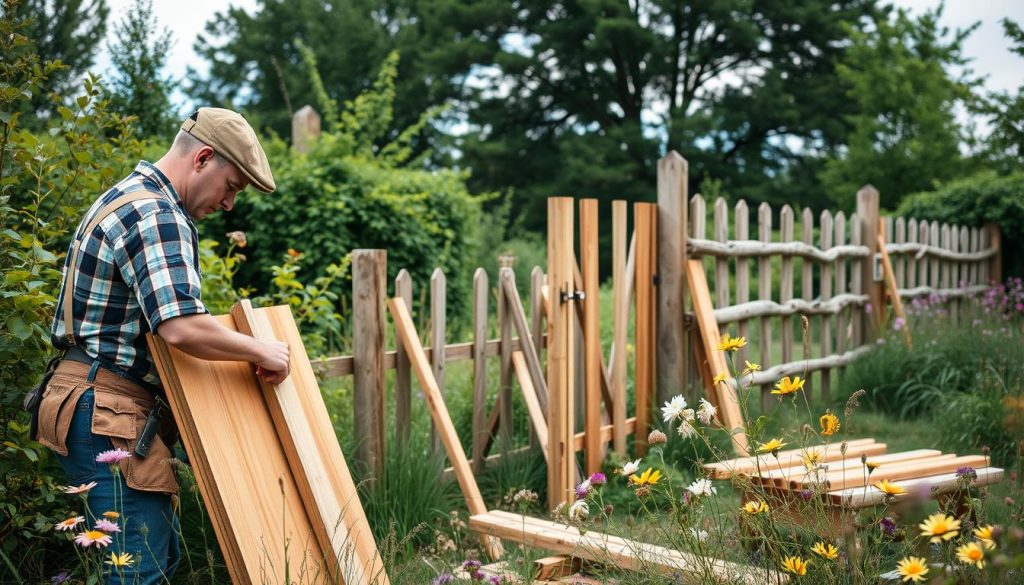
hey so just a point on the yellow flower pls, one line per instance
(755, 507)
(120, 560)
(912, 569)
(720, 378)
(771, 446)
(871, 465)
(829, 551)
(939, 527)
(111, 515)
(787, 386)
(731, 343)
(829, 424)
(984, 536)
(646, 478)
(889, 489)
(751, 367)
(971, 554)
(294, 253)
(795, 565)
(812, 458)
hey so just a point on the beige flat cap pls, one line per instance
(233, 138)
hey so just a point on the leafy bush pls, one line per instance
(985, 197)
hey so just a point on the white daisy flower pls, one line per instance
(706, 412)
(631, 467)
(699, 535)
(673, 409)
(702, 487)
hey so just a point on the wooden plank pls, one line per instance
(900, 265)
(481, 290)
(620, 318)
(669, 250)
(643, 328)
(923, 237)
(840, 287)
(841, 480)
(561, 352)
(605, 433)
(505, 373)
(995, 241)
(764, 292)
(537, 308)
(867, 213)
(439, 414)
(788, 457)
(592, 350)
(858, 315)
(786, 220)
(517, 318)
(965, 267)
(825, 235)
(369, 289)
(918, 487)
(533, 406)
(934, 269)
(807, 273)
(727, 399)
(438, 326)
(854, 466)
(911, 261)
(403, 375)
(721, 223)
(742, 218)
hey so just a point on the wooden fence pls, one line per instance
(826, 266)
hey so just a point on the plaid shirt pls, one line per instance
(138, 268)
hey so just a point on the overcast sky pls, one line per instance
(988, 47)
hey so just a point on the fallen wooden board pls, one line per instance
(439, 414)
(788, 458)
(604, 548)
(912, 469)
(855, 468)
(917, 488)
(255, 490)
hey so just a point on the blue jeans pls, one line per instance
(149, 525)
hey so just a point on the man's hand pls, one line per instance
(273, 366)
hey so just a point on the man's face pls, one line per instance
(214, 186)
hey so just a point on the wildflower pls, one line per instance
(107, 526)
(888, 526)
(90, 537)
(755, 507)
(829, 424)
(912, 569)
(686, 429)
(525, 497)
(772, 446)
(112, 456)
(889, 489)
(868, 308)
(674, 408)
(656, 437)
(237, 238)
(706, 411)
(731, 343)
(496, 580)
(294, 253)
(971, 554)
(871, 465)
(985, 537)
(806, 494)
(648, 477)
(966, 475)
(120, 560)
(898, 323)
(812, 458)
(940, 527)
(69, 524)
(111, 515)
(699, 535)
(583, 490)
(829, 551)
(80, 489)
(795, 565)
(750, 368)
(702, 487)
(643, 491)
(62, 577)
(630, 467)
(443, 579)
(786, 386)
(579, 510)
(598, 479)
(471, 565)
(722, 377)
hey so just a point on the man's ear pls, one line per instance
(203, 156)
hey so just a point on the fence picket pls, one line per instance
(721, 262)
(786, 285)
(742, 219)
(841, 266)
(825, 237)
(764, 292)
(481, 291)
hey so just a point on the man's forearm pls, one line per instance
(203, 337)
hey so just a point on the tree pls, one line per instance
(906, 137)
(1004, 147)
(137, 87)
(68, 31)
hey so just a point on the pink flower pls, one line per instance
(598, 479)
(113, 456)
(69, 524)
(107, 526)
(81, 489)
(91, 537)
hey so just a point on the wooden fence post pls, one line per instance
(995, 240)
(505, 375)
(403, 377)
(305, 128)
(561, 352)
(645, 219)
(591, 335)
(621, 321)
(480, 430)
(867, 213)
(369, 298)
(671, 341)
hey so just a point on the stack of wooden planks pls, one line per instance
(845, 479)
(268, 463)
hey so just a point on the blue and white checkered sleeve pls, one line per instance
(161, 268)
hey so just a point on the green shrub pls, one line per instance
(985, 197)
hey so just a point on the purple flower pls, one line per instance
(806, 495)
(898, 323)
(471, 565)
(867, 308)
(113, 456)
(443, 579)
(598, 479)
(888, 525)
(107, 526)
(496, 580)
(62, 577)
(966, 474)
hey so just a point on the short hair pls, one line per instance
(185, 143)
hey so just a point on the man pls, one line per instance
(133, 267)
